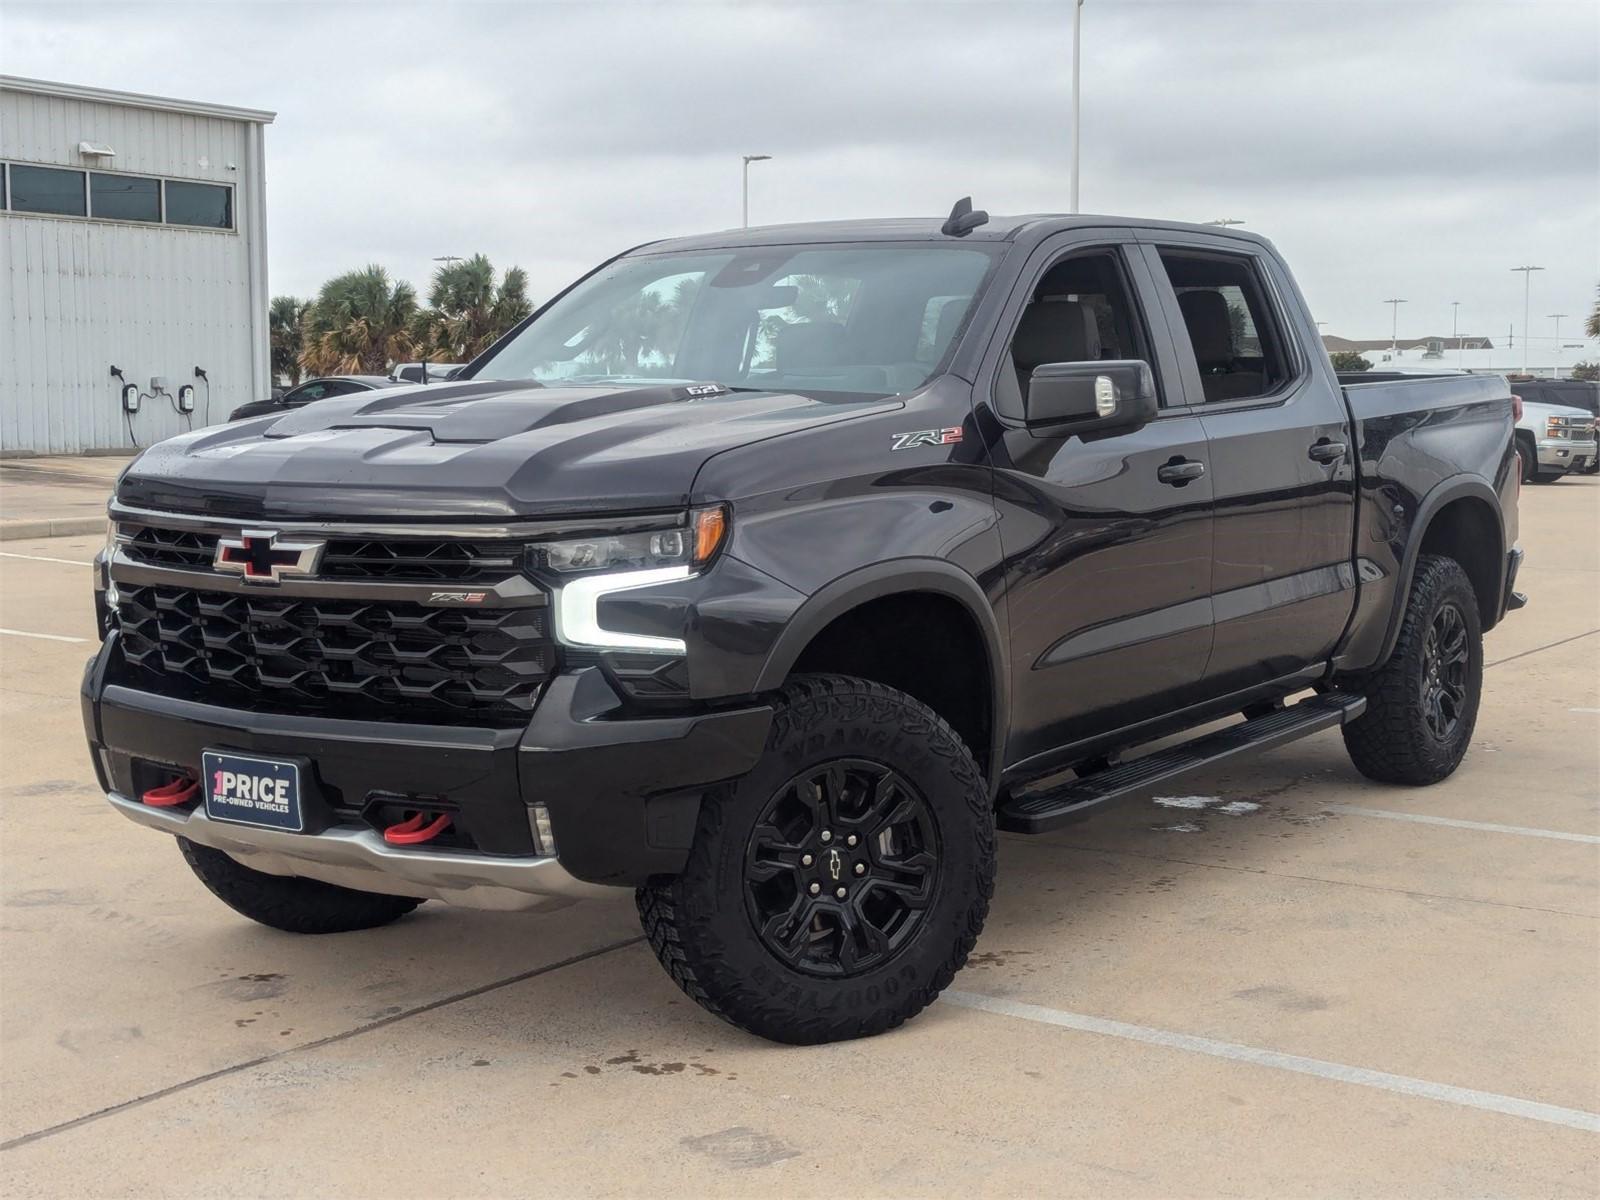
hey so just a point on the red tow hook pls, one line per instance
(180, 791)
(412, 831)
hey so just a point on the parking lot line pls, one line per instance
(1537, 649)
(48, 637)
(70, 562)
(1515, 1106)
(1457, 823)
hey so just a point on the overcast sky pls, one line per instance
(1416, 149)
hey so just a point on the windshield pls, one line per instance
(874, 319)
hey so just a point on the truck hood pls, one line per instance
(472, 451)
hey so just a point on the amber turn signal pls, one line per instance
(710, 527)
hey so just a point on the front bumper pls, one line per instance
(622, 790)
(361, 859)
(1562, 454)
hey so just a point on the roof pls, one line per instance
(75, 91)
(918, 229)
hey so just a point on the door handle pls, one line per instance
(1180, 471)
(1325, 451)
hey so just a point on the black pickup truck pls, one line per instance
(768, 573)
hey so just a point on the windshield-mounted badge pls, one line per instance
(927, 437)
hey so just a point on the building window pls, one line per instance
(199, 204)
(124, 197)
(45, 190)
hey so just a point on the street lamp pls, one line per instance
(1455, 329)
(1077, 38)
(1225, 221)
(1394, 325)
(1527, 274)
(448, 258)
(1555, 371)
(748, 159)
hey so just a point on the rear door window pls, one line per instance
(1234, 334)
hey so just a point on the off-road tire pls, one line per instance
(289, 903)
(1391, 742)
(706, 938)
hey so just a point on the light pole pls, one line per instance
(1225, 221)
(1394, 326)
(748, 159)
(1527, 274)
(1455, 329)
(1555, 371)
(447, 259)
(1077, 38)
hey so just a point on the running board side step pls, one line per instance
(1041, 812)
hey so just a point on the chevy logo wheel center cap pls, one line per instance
(260, 557)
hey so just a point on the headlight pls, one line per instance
(589, 569)
(693, 546)
(1554, 428)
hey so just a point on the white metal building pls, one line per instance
(134, 236)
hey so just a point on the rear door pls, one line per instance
(1282, 468)
(1107, 546)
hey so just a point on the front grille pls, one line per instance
(351, 657)
(179, 548)
(421, 561)
(389, 559)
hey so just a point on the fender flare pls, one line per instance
(896, 577)
(1457, 487)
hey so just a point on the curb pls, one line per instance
(16, 531)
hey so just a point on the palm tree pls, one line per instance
(285, 329)
(359, 324)
(467, 313)
(1591, 327)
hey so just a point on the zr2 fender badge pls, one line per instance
(457, 597)
(927, 437)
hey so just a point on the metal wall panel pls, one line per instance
(77, 295)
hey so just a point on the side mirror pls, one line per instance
(1083, 397)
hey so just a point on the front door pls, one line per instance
(1281, 460)
(1107, 539)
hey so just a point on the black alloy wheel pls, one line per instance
(1445, 662)
(841, 867)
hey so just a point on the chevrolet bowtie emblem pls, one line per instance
(835, 864)
(261, 557)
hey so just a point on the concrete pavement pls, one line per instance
(55, 497)
(1280, 979)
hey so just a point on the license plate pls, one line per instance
(252, 791)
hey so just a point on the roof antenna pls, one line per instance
(962, 219)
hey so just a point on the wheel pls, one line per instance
(836, 889)
(1423, 703)
(1527, 461)
(289, 903)
(1547, 476)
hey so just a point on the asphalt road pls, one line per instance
(1290, 982)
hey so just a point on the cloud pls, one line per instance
(1416, 149)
